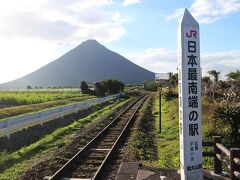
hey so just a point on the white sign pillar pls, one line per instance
(190, 120)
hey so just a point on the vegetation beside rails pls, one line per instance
(214, 127)
(13, 164)
(150, 86)
(168, 139)
(220, 116)
(19, 110)
(102, 88)
(130, 88)
(142, 146)
(146, 138)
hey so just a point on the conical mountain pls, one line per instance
(90, 61)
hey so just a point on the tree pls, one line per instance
(121, 84)
(234, 76)
(103, 88)
(150, 85)
(234, 82)
(84, 87)
(113, 86)
(170, 74)
(172, 79)
(29, 87)
(229, 114)
(215, 75)
(100, 89)
(206, 83)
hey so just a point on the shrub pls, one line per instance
(103, 88)
(84, 87)
(170, 95)
(150, 86)
(229, 114)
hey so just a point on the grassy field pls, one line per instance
(12, 164)
(24, 109)
(34, 97)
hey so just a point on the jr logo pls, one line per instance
(192, 33)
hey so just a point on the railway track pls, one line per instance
(91, 160)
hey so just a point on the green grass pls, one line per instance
(34, 97)
(167, 140)
(12, 164)
(20, 110)
(130, 89)
(146, 149)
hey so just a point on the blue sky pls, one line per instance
(34, 33)
(151, 29)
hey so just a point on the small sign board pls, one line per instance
(190, 120)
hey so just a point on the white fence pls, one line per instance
(22, 121)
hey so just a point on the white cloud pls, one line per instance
(209, 11)
(85, 4)
(130, 2)
(177, 13)
(28, 24)
(59, 20)
(118, 17)
(33, 33)
(221, 61)
(158, 60)
(162, 60)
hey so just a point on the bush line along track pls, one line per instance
(90, 161)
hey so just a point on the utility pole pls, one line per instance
(160, 110)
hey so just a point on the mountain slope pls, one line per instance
(90, 61)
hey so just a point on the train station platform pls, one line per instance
(135, 171)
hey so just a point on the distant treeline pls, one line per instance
(150, 85)
(103, 88)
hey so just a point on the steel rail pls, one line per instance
(59, 174)
(101, 168)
